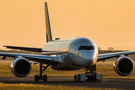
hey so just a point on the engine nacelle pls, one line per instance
(21, 67)
(123, 66)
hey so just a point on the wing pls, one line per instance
(102, 57)
(36, 50)
(54, 52)
(51, 60)
(25, 48)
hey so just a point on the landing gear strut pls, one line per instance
(91, 69)
(40, 77)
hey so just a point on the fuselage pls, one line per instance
(80, 52)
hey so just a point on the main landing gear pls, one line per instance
(40, 77)
(89, 76)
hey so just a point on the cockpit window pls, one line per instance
(86, 48)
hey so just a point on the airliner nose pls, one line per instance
(89, 58)
(89, 62)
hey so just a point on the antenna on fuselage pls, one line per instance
(48, 27)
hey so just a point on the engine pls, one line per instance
(123, 66)
(21, 67)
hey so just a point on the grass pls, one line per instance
(106, 70)
(23, 86)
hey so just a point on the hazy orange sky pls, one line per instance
(109, 23)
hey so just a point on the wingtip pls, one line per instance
(4, 46)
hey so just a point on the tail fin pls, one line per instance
(48, 27)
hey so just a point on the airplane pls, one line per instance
(66, 54)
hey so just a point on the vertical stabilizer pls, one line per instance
(48, 27)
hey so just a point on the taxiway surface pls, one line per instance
(128, 84)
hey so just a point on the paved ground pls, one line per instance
(69, 81)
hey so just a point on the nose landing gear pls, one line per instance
(89, 76)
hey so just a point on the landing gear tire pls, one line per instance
(75, 78)
(36, 78)
(79, 78)
(45, 78)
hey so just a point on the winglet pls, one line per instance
(48, 27)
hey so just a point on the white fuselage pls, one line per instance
(80, 52)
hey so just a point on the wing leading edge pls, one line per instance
(51, 60)
(25, 48)
(34, 50)
(102, 57)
